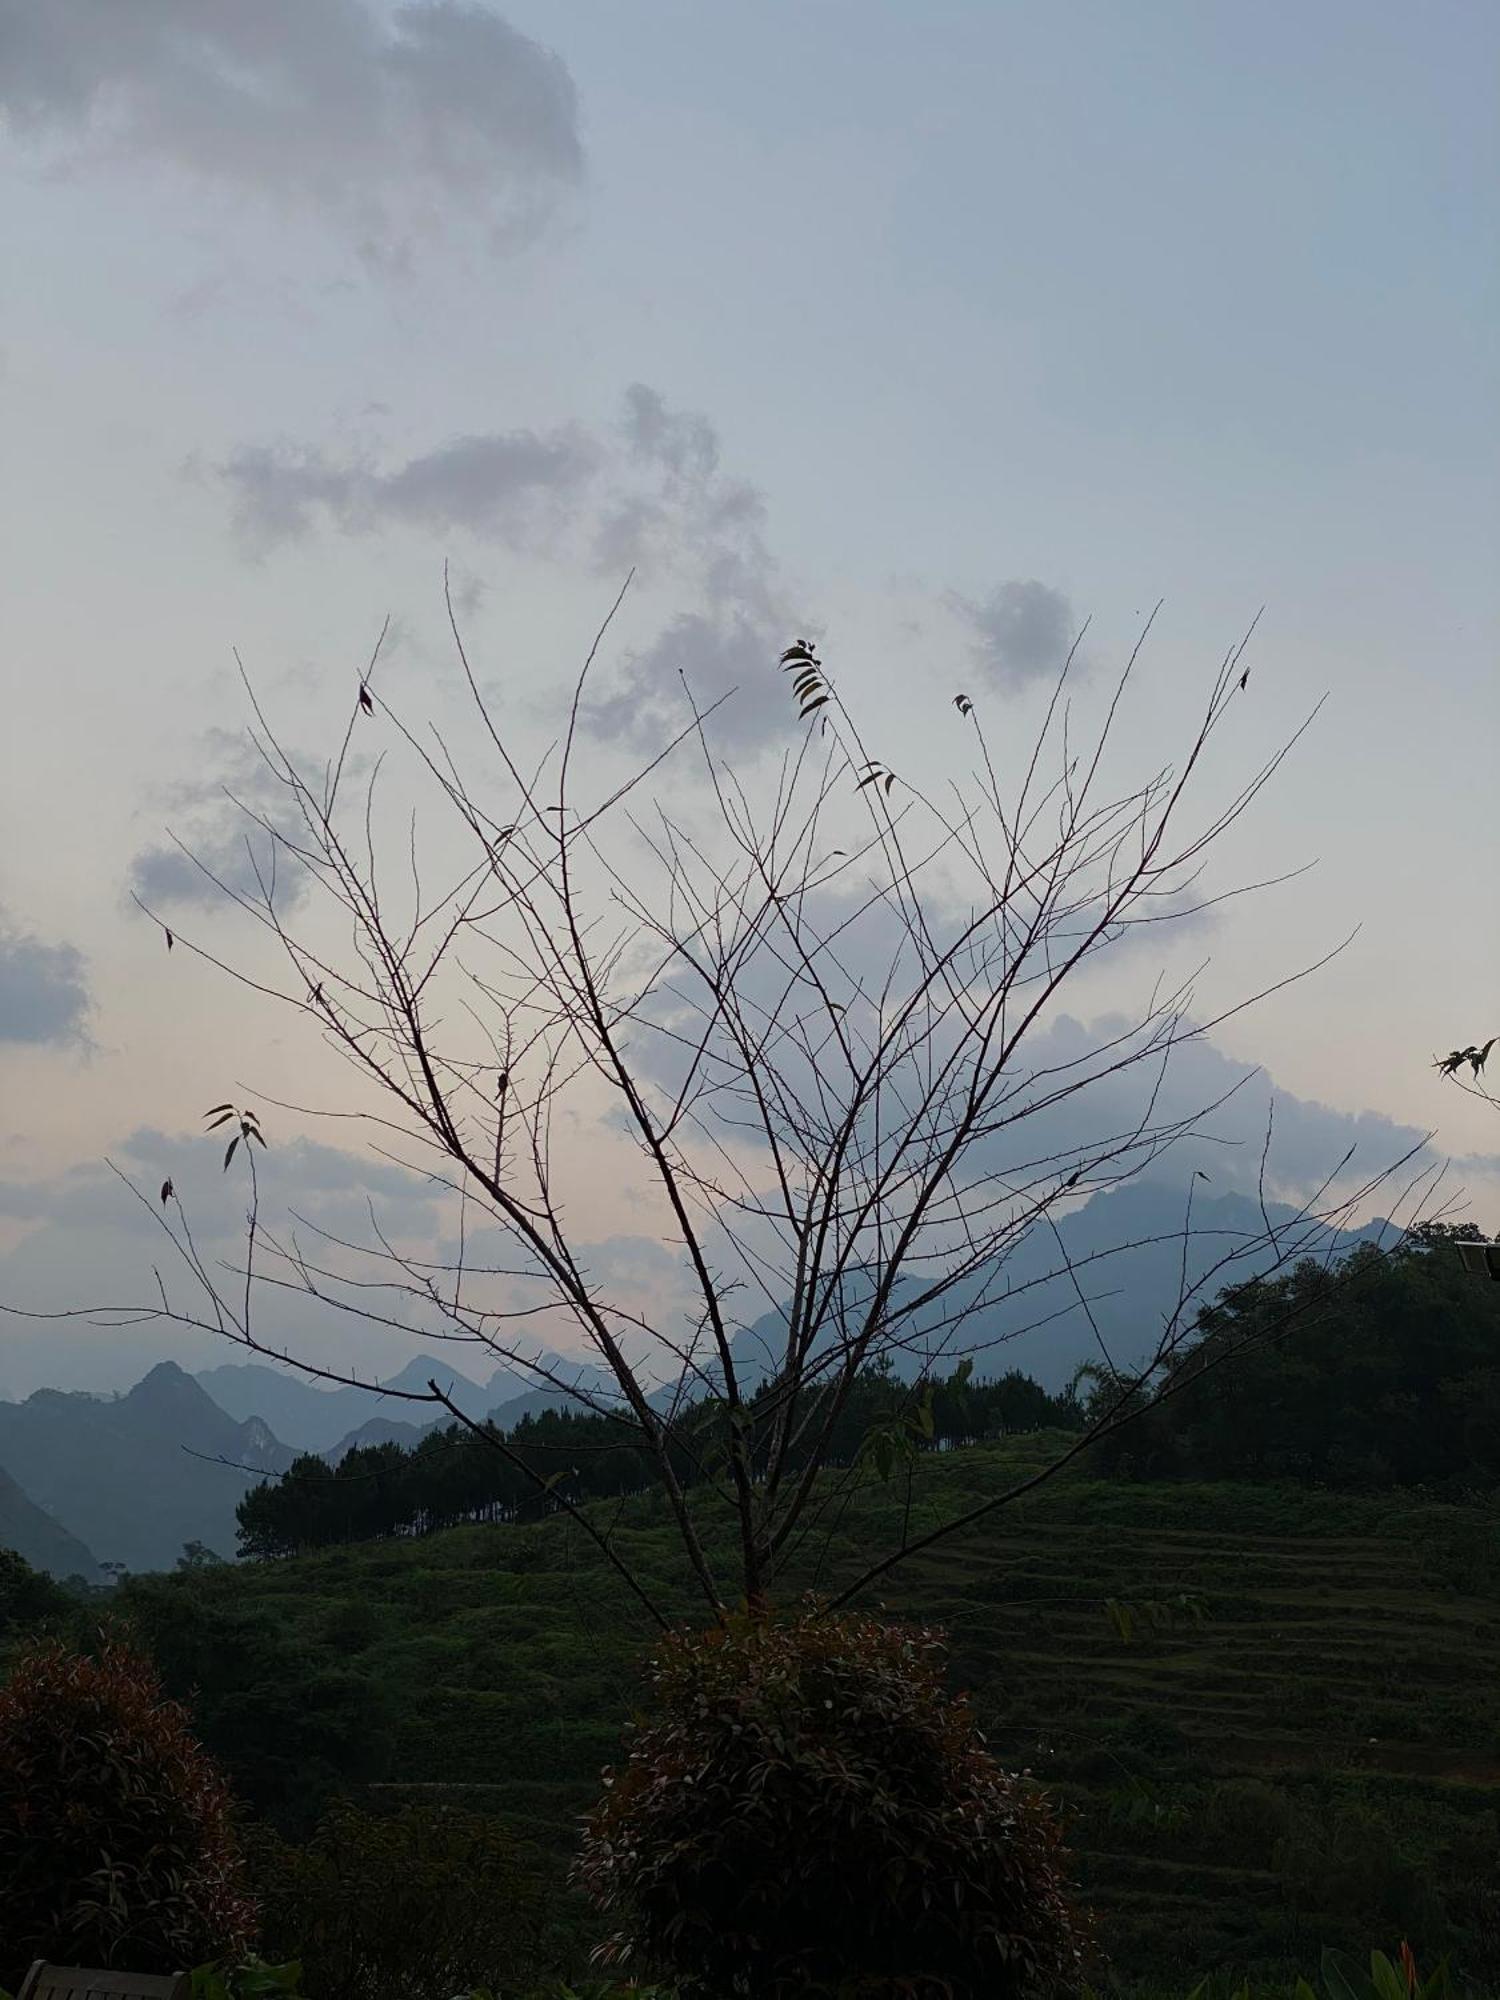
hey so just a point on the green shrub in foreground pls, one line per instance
(810, 1812)
(117, 1846)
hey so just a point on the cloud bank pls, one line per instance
(388, 125)
(222, 819)
(44, 995)
(649, 493)
(1020, 633)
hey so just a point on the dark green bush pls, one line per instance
(1348, 1866)
(291, 1731)
(27, 1596)
(413, 1905)
(1244, 1819)
(116, 1841)
(809, 1812)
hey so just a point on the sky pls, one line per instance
(934, 331)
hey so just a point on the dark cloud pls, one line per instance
(1022, 632)
(518, 488)
(389, 123)
(650, 494)
(684, 442)
(44, 995)
(1308, 1138)
(708, 655)
(221, 820)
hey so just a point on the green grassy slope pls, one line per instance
(1317, 1761)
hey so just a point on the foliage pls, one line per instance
(116, 1841)
(27, 1596)
(1346, 1864)
(291, 1730)
(408, 1906)
(457, 1475)
(510, 1659)
(1388, 1979)
(248, 1979)
(1362, 1396)
(808, 1811)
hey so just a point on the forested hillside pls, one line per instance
(1271, 1714)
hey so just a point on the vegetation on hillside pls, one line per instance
(1267, 1714)
(1388, 1375)
(456, 1475)
(1264, 1708)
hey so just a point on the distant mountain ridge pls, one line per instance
(1127, 1249)
(311, 1418)
(134, 1477)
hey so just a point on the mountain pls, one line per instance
(531, 1402)
(1128, 1251)
(380, 1430)
(120, 1472)
(521, 1402)
(45, 1543)
(312, 1418)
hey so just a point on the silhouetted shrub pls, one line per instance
(427, 1900)
(810, 1812)
(116, 1841)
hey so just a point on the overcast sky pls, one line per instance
(938, 329)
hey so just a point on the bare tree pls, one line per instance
(814, 998)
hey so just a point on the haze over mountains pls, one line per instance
(310, 1417)
(304, 1414)
(134, 1477)
(131, 1479)
(1132, 1255)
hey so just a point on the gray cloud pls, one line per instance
(716, 653)
(683, 441)
(1022, 631)
(389, 124)
(649, 494)
(44, 995)
(694, 517)
(517, 488)
(297, 1173)
(1308, 1138)
(93, 1244)
(218, 820)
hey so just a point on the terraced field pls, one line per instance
(1303, 1748)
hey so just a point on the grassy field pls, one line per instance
(1307, 1753)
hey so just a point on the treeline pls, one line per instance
(455, 1476)
(1381, 1371)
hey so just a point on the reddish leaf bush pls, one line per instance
(117, 1846)
(810, 1812)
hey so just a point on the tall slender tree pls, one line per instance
(814, 995)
